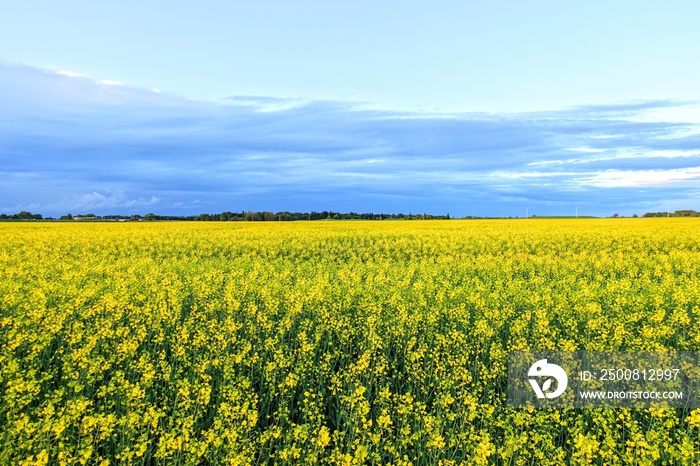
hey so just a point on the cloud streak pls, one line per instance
(71, 143)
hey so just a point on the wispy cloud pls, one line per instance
(108, 82)
(645, 178)
(96, 200)
(71, 74)
(70, 143)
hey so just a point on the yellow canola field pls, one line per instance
(332, 342)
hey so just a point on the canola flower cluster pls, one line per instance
(333, 342)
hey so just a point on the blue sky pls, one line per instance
(485, 108)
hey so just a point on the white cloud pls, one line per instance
(638, 178)
(109, 82)
(96, 200)
(604, 136)
(586, 150)
(516, 175)
(33, 207)
(546, 163)
(611, 178)
(71, 74)
(674, 153)
(265, 104)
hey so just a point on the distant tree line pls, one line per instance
(678, 213)
(267, 216)
(24, 215)
(243, 216)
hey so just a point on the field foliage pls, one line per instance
(332, 342)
